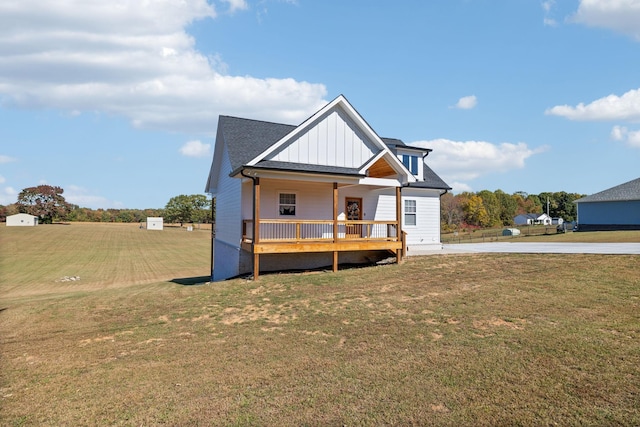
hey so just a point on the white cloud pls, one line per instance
(195, 149)
(467, 102)
(633, 139)
(2, 179)
(6, 159)
(461, 162)
(621, 16)
(547, 6)
(133, 59)
(618, 133)
(621, 133)
(612, 107)
(236, 5)
(460, 187)
(82, 197)
(8, 196)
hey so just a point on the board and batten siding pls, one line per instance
(426, 233)
(333, 141)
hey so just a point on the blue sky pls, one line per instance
(117, 102)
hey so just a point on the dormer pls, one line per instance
(411, 157)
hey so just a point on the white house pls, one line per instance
(617, 208)
(22, 220)
(155, 223)
(532, 218)
(325, 192)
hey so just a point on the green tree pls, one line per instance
(187, 209)
(44, 201)
(508, 206)
(527, 203)
(561, 204)
(475, 212)
(492, 206)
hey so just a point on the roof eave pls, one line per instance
(239, 171)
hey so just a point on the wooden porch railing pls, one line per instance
(294, 231)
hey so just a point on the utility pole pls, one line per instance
(547, 206)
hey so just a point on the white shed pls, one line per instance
(154, 223)
(22, 220)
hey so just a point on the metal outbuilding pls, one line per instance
(155, 223)
(22, 220)
(617, 208)
(511, 232)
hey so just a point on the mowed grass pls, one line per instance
(631, 236)
(444, 340)
(37, 259)
(536, 234)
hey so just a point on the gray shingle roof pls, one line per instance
(431, 180)
(246, 139)
(620, 193)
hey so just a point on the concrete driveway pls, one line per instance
(544, 248)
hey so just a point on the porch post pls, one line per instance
(400, 253)
(335, 225)
(256, 227)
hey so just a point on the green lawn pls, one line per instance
(444, 340)
(542, 234)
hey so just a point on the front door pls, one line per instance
(353, 211)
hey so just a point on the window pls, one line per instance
(410, 212)
(411, 163)
(287, 204)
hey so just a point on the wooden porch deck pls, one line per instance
(289, 236)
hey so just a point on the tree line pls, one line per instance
(49, 205)
(486, 208)
(460, 211)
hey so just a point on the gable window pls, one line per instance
(410, 212)
(411, 163)
(287, 204)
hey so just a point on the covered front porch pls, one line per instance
(281, 236)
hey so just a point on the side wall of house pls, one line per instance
(314, 200)
(425, 235)
(226, 254)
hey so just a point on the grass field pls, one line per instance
(444, 340)
(543, 234)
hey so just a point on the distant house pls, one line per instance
(617, 208)
(155, 223)
(22, 220)
(327, 191)
(532, 219)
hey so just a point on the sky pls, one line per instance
(117, 101)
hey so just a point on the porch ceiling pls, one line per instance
(381, 169)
